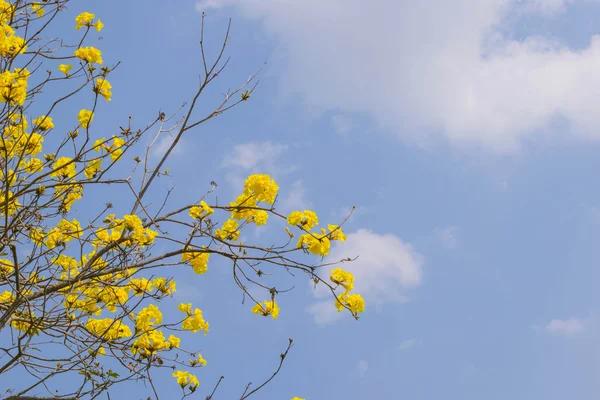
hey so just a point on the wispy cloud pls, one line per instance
(363, 367)
(249, 156)
(294, 198)
(566, 327)
(448, 236)
(406, 345)
(163, 143)
(421, 71)
(342, 124)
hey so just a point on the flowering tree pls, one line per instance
(80, 287)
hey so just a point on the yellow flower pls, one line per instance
(6, 297)
(335, 233)
(317, 244)
(91, 169)
(163, 286)
(13, 86)
(200, 360)
(89, 54)
(184, 378)
(103, 88)
(140, 286)
(108, 328)
(307, 219)
(174, 341)
(99, 25)
(63, 168)
(343, 278)
(84, 19)
(262, 187)
(270, 308)
(229, 231)
(186, 308)
(354, 302)
(195, 322)
(32, 165)
(298, 398)
(43, 123)
(85, 117)
(201, 211)
(147, 318)
(65, 68)
(198, 261)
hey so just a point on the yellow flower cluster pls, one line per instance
(194, 321)
(354, 302)
(114, 149)
(89, 54)
(43, 123)
(199, 361)
(130, 228)
(108, 328)
(6, 297)
(307, 219)
(13, 86)
(65, 68)
(85, 118)
(103, 88)
(229, 231)
(9, 204)
(184, 379)
(270, 308)
(10, 44)
(316, 243)
(198, 260)
(85, 19)
(6, 268)
(201, 211)
(38, 9)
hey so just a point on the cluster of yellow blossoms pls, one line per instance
(269, 308)
(10, 45)
(316, 243)
(258, 188)
(85, 19)
(354, 302)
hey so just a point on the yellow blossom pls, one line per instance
(43, 123)
(65, 68)
(89, 54)
(64, 168)
(229, 231)
(198, 260)
(195, 322)
(270, 308)
(103, 88)
(198, 361)
(343, 278)
(84, 19)
(85, 117)
(184, 379)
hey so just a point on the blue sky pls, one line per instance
(466, 134)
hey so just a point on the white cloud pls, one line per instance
(294, 199)
(568, 327)
(363, 367)
(448, 236)
(407, 344)
(342, 124)
(546, 7)
(163, 143)
(385, 267)
(251, 155)
(433, 67)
